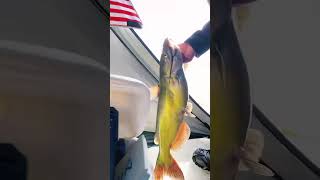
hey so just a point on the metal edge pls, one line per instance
(284, 141)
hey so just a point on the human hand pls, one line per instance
(187, 52)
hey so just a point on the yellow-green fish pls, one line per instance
(171, 130)
(232, 113)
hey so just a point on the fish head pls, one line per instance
(171, 60)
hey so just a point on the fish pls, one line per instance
(172, 131)
(231, 109)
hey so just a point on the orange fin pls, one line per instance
(182, 136)
(174, 171)
(158, 172)
(154, 92)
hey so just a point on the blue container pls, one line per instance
(114, 123)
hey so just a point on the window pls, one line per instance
(178, 19)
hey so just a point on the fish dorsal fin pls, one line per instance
(154, 92)
(182, 136)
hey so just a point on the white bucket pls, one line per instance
(131, 98)
(53, 110)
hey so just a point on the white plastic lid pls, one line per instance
(131, 98)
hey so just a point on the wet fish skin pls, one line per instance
(231, 109)
(171, 131)
(231, 104)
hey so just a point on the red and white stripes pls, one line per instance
(122, 13)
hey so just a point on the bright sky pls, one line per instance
(178, 20)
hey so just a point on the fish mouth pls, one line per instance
(168, 43)
(172, 58)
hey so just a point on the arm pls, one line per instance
(200, 40)
(197, 44)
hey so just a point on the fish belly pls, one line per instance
(169, 124)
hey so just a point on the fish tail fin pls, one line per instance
(159, 171)
(172, 170)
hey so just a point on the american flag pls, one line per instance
(122, 13)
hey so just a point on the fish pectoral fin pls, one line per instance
(156, 138)
(257, 168)
(154, 92)
(188, 110)
(182, 136)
